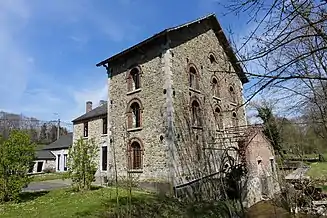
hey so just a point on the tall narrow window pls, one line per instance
(272, 165)
(104, 125)
(134, 79)
(135, 156)
(193, 80)
(196, 114)
(215, 87)
(212, 58)
(136, 115)
(104, 156)
(234, 119)
(218, 118)
(232, 93)
(86, 129)
(65, 162)
(58, 163)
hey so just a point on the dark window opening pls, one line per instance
(272, 164)
(136, 114)
(193, 80)
(212, 59)
(219, 118)
(196, 114)
(86, 129)
(104, 125)
(232, 93)
(104, 158)
(65, 162)
(135, 77)
(39, 167)
(215, 87)
(259, 162)
(234, 119)
(135, 156)
(58, 163)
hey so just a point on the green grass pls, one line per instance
(102, 202)
(46, 176)
(318, 170)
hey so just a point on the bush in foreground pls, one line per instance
(16, 156)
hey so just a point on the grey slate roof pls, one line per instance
(215, 26)
(44, 155)
(98, 111)
(64, 142)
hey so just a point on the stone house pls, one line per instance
(172, 99)
(259, 156)
(93, 125)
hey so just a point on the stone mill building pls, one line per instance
(172, 100)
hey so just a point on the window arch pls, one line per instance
(193, 77)
(232, 93)
(134, 114)
(135, 154)
(196, 113)
(218, 118)
(134, 79)
(215, 87)
(212, 58)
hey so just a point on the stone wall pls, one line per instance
(152, 97)
(192, 142)
(94, 132)
(47, 164)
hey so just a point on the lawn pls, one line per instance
(102, 202)
(318, 170)
(46, 176)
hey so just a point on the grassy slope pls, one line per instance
(318, 170)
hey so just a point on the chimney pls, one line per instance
(88, 106)
(102, 102)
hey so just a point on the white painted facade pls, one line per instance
(61, 159)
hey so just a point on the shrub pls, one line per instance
(16, 156)
(82, 163)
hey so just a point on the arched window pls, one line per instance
(212, 58)
(196, 113)
(234, 119)
(232, 93)
(219, 118)
(194, 78)
(134, 114)
(133, 79)
(135, 154)
(215, 87)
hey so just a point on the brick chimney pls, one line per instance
(88, 106)
(102, 102)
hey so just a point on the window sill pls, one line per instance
(135, 171)
(134, 129)
(104, 135)
(134, 91)
(216, 98)
(85, 137)
(195, 90)
(197, 127)
(233, 104)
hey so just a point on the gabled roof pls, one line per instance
(44, 155)
(96, 112)
(215, 26)
(64, 142)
